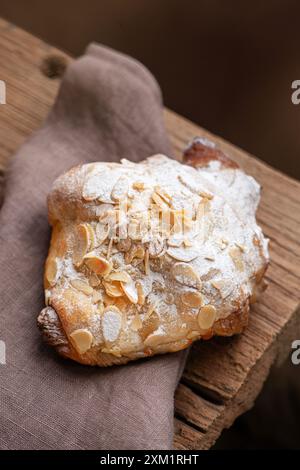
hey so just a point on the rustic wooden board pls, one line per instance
(223, 376)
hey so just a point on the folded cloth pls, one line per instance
(108, 107)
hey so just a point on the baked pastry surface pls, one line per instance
(147, 258)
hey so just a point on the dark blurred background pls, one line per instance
(227, 65)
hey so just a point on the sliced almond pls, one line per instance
(192, 299)
(156, 247)
(97, 186)
(113, 351)
(183, 254)
(82, 286)
(82, 243)
(121, 276)
(130, 291)
(120, 188)
(92, 237)
(109, 248)
(111, 323)
(175, 240)
(97, 264)
(151, 309)
(140, 291)
(159, 201)
(47, 297)
(186, 275)
(82, 340)
(102, 232)
(203, 208)
(236, 257)
(187, 243)
(113, 289)
(163, 194)
(155, 339)
(138, 185)
(207, 316)
(136, 323)
(51, 271)
(206, 195)
(146, 262)
(224, 286)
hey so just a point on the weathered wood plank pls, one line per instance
(223, 376)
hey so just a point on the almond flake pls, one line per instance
(206, 195)
(138, 185)
(235, 255)
(152, 308)
(224, 286)
(136, 323)
(98, 186)
(112, 351)
(163, 194)
(111, 323)
(97, 264)
(140, 291)
(175, 240)
(159, 201)
(155, 339)
(102, 232)
(82, 286)
(207, 316)
(82, 243)
(192, 299)
(92, 236)
(121, 276)
(183, 254)
(51, 271)
(120, 189)
(130, 291)
(156, 247)
(146, 261)
(186, 275)
(113, 289)
(82, 340)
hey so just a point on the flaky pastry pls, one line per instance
(146, 258)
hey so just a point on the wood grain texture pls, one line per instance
(223, 376)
